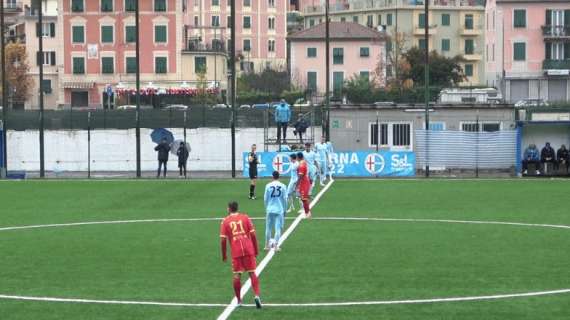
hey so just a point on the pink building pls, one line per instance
(98, 39)
(261, 28)
(528, 49)
(355, 50)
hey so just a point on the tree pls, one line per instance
(17, 72)
(391, 68)
(443, 71)
(358, 89)
(272, 82)
(203, 97)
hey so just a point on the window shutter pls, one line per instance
(567, 19)
(52, 29)
(548, 50)
(548, 17)
(38, 29)
(38, 58)
(566, 50)
(52, 58)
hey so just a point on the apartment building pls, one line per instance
(528, 49)
(456, 27)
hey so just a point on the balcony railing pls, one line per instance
(556, 65)
(556, 31)
(204, 47)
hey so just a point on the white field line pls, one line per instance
(233, 304)
(284, 305)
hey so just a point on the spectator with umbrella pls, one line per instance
(163, 148)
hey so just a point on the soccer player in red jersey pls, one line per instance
(304, 184)
(240, 232)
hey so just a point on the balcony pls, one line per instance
(556, 65)
(196, 46)
(476, 30)
(11, 6)
(420, 31)
(556, 32)
(473, 56)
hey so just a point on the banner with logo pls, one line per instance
(343, 164)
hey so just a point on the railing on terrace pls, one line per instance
(556, 65)
(12, 6)
(556, 31)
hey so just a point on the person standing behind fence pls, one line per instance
(163, 149)
(563, 157)
(531, 157)
(300, 127)
(182, 154)
(282, 118)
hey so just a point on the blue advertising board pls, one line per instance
(344, 164)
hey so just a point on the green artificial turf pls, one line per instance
(322, 261)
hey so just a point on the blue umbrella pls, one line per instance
(159, 134)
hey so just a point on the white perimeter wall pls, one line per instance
(115, 150)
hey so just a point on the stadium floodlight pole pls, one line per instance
(233, 84)
(327, 76)
(426, 74)
(138, 85)
(4, 91)
(39, 6)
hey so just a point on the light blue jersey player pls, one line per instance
(330, 152)
(292, 187)
(323, 158)
(311, 159)
(275, 199)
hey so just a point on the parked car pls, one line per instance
(302, 103)
(531, 103)
(127, 107)
(245, 106)
(220, 106)
(176, 107)
(262, 106)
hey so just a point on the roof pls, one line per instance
(338, 31)
(531, 1)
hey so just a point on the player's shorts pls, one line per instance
(253, 173)
(244, 264)
(304, 190)
(323, 167)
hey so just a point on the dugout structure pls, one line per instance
(539, 132)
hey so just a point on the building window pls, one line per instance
(106, 5)
(364, 52)
(469, 46)
(470, 127)
(46, 86)
(78, 65)
(519, 51)
(271, 3)
(77, 6)
(160, 5)
(389, 19)
(312, 81)
(160, 65)
(271, 23)
(355, 19)
(196, 21)
(271, 45)
(215, 3)
(445, 45)
(130, 5)
(469, 21)
(78, 34)
(107, 65)
(311, 52)
(401, 134)
(311, 22)
(379, 19)
(365, 75)
(160, 34)
(247, 22)
(215, 21)
(338, 83)
(246, 45)
(491, 127)
(370, 21)
(421, 20)
(469, 70)
(445, 19)
(422, 44)
(200, 64)
(47, 59)
(131, 65)
(519, 18)
(338, 55)
(47, 29)
(130, 34)
(107, 34)
(436, 126)
(342, 19)
(484, 127)
(375, 131)
(247, 3)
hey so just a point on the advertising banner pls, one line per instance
(343, 164)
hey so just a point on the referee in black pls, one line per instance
(253, 162)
